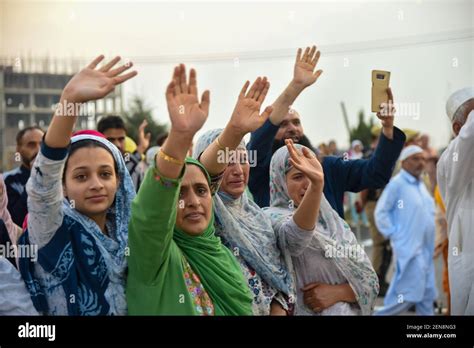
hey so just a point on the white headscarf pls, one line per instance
(331, 234)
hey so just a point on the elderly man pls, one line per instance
(405, 214)
(455, 180)
(340, 174)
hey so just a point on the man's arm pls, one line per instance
(375, 172)
(261, 140)
(303, 76)
(384, 210)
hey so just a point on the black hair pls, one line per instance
(88, 143)
(109, 122)
(20, 134)
(303, 141)
(161, 139)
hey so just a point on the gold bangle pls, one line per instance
(219, 145)
(168, 158)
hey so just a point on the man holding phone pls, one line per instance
(340, 174)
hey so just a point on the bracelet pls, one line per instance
(168, 158)
(219, 145)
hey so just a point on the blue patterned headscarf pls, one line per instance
(80, 259)
(244, 227)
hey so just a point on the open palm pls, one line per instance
(306, 162)
(92, 84)
(187, 115)
(246, 116)
(304, 74)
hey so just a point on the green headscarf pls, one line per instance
(217, 268)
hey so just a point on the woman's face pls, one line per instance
(195, 202)
(297, 184)
(89, 184)
(236, 175)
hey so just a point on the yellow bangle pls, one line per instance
(168, 158)
(219, 145)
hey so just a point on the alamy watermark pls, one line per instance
(235, 156)
(9, 250)
(404, 109)
(355, 252)
(65, 108)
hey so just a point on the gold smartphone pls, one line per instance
(380, 83)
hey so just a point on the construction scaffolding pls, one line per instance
(29, 92)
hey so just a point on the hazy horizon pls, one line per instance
(427, 45)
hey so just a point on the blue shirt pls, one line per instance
(405, 213)
(340, 175)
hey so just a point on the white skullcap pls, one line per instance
(357, 142)
(410, 151)
(457, 99)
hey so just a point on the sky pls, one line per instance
(428, 46)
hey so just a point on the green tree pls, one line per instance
(363, 130)
(134, 116)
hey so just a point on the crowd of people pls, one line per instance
(189, 227)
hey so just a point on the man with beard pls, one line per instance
(28, 142)
(340, 174)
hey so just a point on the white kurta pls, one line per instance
(456, 184)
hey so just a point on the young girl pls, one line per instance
(332, 272)
(79, 197)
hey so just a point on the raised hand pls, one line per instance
(305, 162)
(88, 84)
(186, 113)
(143, 140)
(91, 83)
(304, 74)
(387, 115)
(246, 116)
